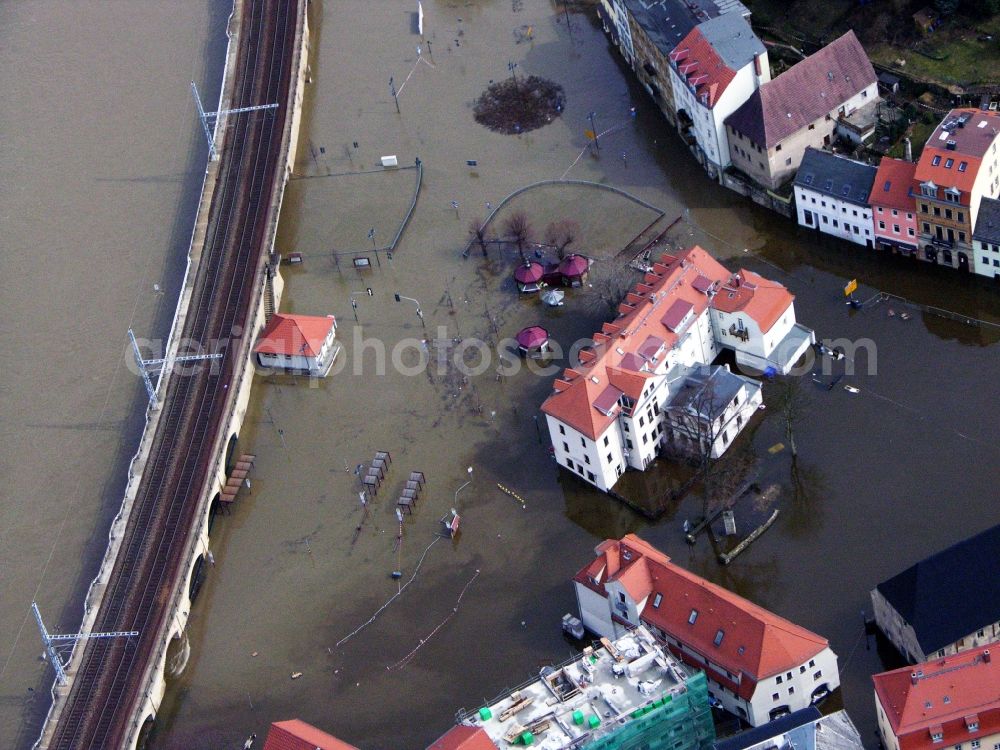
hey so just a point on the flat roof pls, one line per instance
(597, 685)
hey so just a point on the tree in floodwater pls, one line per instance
(519, 230)
(481, 233)
(789, 400)
(562, 234)
(610, 282)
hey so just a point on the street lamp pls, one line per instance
(420, 314)
(371, 236)
(593, 129)
(395, 94)
(354, 304)
(463, 486)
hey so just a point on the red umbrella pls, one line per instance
(528, 274)
(532, 337)
(574, 265)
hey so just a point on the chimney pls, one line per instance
(986, 656)
(909, 149)
(913, 678)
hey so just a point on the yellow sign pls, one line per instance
(851, 288)
(590, 134)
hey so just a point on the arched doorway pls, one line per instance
(930, 253)
(946, 257)
(963, 262)
(145, 731)
(231, 452)
(197, 578)
(213, 510)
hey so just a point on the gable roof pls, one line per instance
(711, 54)
(296, 734)
(658, 311)
(988, 221)
(943, 695)
(762, 299)
(893, 183)
(963, 137)
(775, 728)
(806, 92)
(836, 176)
(733, 40)
(754, 641)
(950, 594)
(301, 335)
(463, 737)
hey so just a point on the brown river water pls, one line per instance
(886, 476)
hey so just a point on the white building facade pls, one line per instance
(831, 196)
(713, 71)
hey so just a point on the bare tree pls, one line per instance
(562, 234)
(790, 402)
(481, 233)
(520, 231)
(610, 282)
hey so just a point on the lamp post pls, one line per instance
(420, 314)
(354, 304)
(395, 95)
(593, 129)
(463, 486)
(371, 236)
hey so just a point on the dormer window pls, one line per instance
(692, 617)
(962, 166)
(948, 163)
(928, 189)
(719, 635)
(935, 161)
(952, 195)
(656, 600)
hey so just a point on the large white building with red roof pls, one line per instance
(296, 734)
(759, 665)
(300, 343)
(952, 702)
(645, 385)
(713, 71)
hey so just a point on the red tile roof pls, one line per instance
(763, 300)
(296, 734)
(463, 737)
(676, 284)
(295, 334)
(617, 347)
(942, 165)
(755, 642)
(939, 695)
(805, 92)
(702, 67)
(893, 183)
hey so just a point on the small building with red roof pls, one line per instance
(759, 665)
(713, 71)
(612, 410)
(958, 167)
(296, 734)
(299, 343)
(952, 702)
(463, 737)
(894, 208)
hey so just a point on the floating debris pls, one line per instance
(513, 494)
(296, 675)
(776, 448)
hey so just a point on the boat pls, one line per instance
(572, 626)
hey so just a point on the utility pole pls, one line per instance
(159, 366)
(395, 96)
(512, 66)
(204, 116)
(354, 302)
(54, 642)
(420, 313)
(593, 129)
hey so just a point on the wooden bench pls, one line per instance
(417, 476)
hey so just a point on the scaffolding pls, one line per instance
(673, 722)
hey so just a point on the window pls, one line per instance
(881, 225)
(586, 459)
(656, 600)
(826, 220)
(961, 236)
(621, 596)
(606, 440)
(947, 213)
(777, 148)
(895, 228)
(562, 430)
(962, 165)
(895, 212)
(788, 162)
(791, 690)
(910, 231)
(835, 225)
(909, 216)
(692, 617)
(583, 442)
(927, 228)
(609, 458)
(590, 476)
(948, 163)
(923, 208)
(855, 212)
(774, 696)
(937, 735)
(961, 216)
(569, 464)
(628, 443)
(935, 161)
(645, 439)
(566, 447)
(937, 210)
(625, 425)
(719, 635)
(812, 662)
(975, 745)
(818, 674)
(780, 679)
(823, 204)
(855, 227)
(642, 422)
(812, 126)
(802, 669)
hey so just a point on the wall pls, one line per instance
(594, 611)
(585, 457)
(660, 87)
(905, 220)
(987, 258)
(796, 686)
(898, 631)
(833, 216)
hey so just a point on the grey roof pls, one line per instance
(666, 22)
(805, 729)
(805, 92)
(952, 593)
(732, 39)
(988, 222)
(836, 176)
(709, 389)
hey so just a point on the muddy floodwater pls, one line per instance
(102, 161)
(886, 476)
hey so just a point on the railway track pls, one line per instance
(105, 689)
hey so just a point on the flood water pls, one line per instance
(102, 166)
(886, 476)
